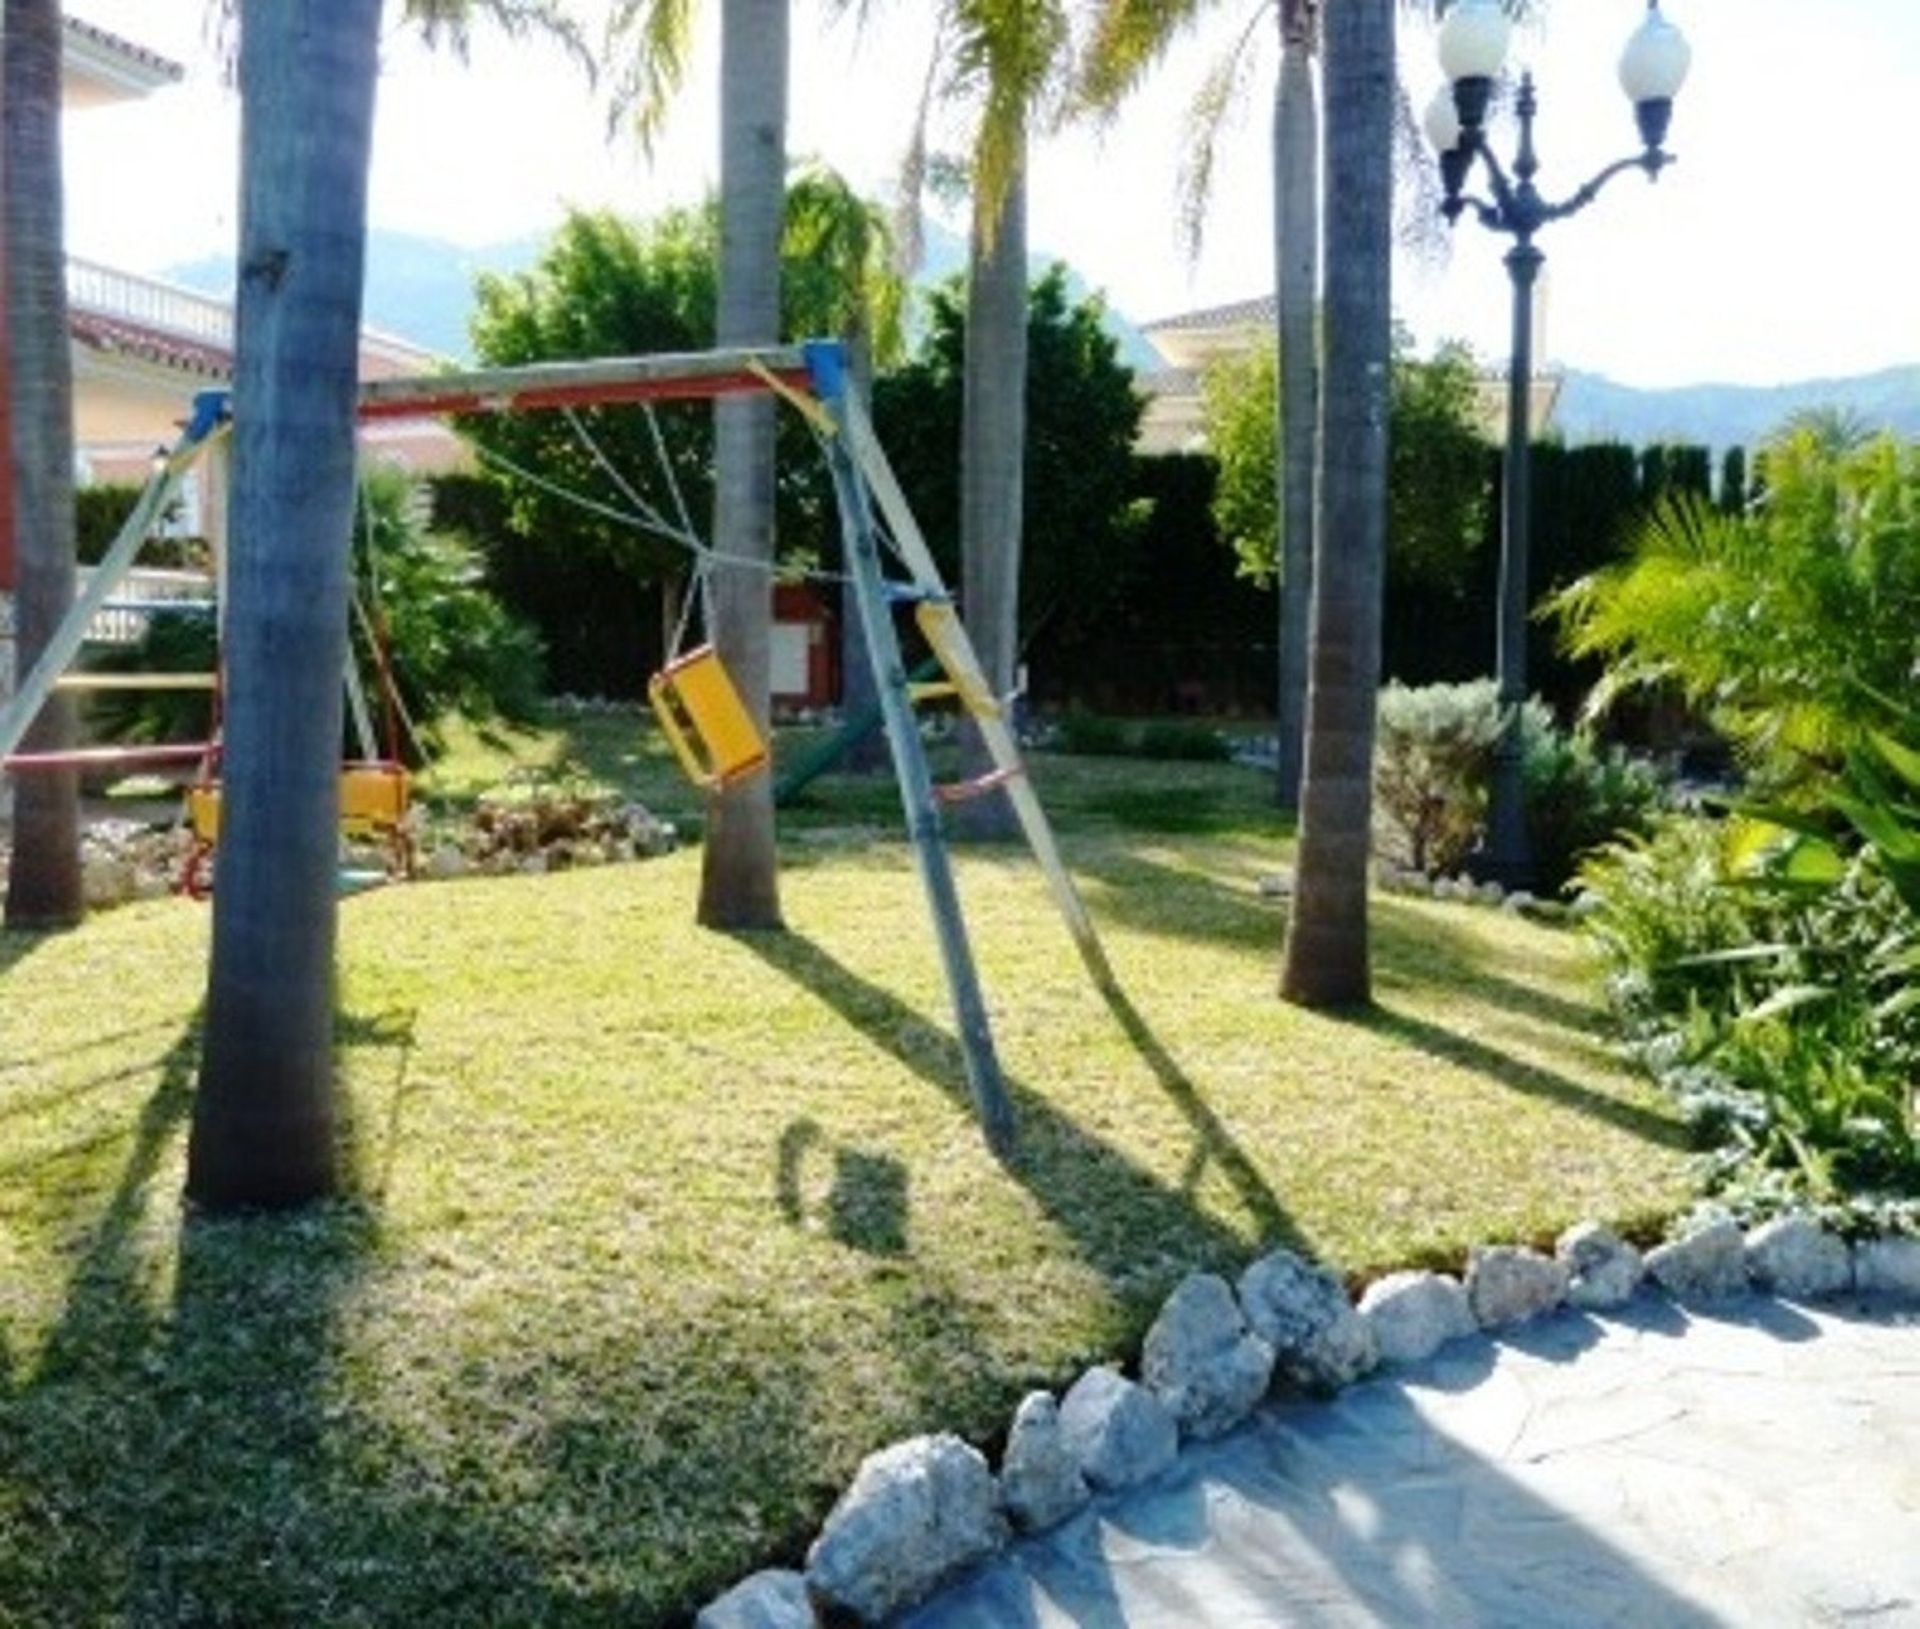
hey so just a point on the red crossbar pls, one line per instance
(534, 397)
(171, 752)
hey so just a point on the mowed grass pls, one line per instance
(654, 1232)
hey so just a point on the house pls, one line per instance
(143, 348)
(1188, 343)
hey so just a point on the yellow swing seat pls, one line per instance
(705, 721)
(375, 796)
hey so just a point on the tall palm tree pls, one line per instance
(739, 871)
(1128, 36)
(844, 244)
(43, 877)
(1326, 959)
(262, 1124)
(650, 40)
(1007, 62)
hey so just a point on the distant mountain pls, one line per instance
(1594, 408)
(421, 289)
(418, 289)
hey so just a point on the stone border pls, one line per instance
(923, 1511)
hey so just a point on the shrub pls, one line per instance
(1175, 740)
(1579, 795)
(1090, 735)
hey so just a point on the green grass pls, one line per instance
(654, 1232)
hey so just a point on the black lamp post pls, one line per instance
(1473, 47)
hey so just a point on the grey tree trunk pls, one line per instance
(43, 878)
(1326, 961)
(739, 873)
(993, 440)
(263, 1116)
(1296, 220)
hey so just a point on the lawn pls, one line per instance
(654, 1232)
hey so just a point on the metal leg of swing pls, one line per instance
(985, 1082)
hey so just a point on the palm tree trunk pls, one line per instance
(993, 439)
(43, 878)
(1326, 961)
(739, 875)
(1296, 219)
(263, 1116)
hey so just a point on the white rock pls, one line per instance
(1319, 1342)
(1794, 1256)
(1507, 1284)
(106, 882)
(1889, 1267)
(448, 861)
(1490, 893)
(1708, 1264)
(1120, 1433)
(767, 1600)
(1202, 1361)
(916, 1513)
(1413, 1315)
(1040, 1480)
(1603, 1270)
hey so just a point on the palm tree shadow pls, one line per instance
(1529, 1079)
(1099, 1196)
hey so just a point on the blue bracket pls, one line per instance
(827, 369)
(211, 409)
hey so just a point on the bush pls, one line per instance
(454, 646)
(99, 511)
(1176, 741)
(1090, 735)
(1433, 763)
(1578, 796)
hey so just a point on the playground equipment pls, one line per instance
(374, 791)
(711, 730)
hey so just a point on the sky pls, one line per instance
(1777, 248)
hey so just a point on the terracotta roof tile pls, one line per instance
(115, 336)
(113, 42)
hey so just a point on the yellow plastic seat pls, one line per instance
(374, 800)
(705, 721)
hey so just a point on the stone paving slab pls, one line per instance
(1751, 1464)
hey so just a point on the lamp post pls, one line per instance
(1473, 47)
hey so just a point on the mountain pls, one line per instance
(418, 289)
(421, 289)
(1594, 408)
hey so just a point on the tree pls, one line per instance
(1326, 958)
(43, 877)
(1792, 624)
(1437, 489)
(262, 1123)
(1078, 466)
(739, 870)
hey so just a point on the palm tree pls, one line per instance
(1128, 36)
(262, 1124)
(739, 870)
(1326, 959)
(43, 877)
(842, 243)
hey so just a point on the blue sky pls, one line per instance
(1777, 248)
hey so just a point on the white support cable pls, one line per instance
(685, 534)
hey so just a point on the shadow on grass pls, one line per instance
(1114, 1211)
(280, 1419)
(1518, 1075)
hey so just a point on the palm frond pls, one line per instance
(651, 40)
(1220, 99)
(1127, 38)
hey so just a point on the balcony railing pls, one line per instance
(109, 292)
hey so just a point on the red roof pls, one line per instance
(115, 336)
(126, 48)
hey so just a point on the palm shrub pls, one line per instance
(1779, 621)
(454, 646)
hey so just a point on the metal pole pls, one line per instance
(1509, 858)
(984, 1081)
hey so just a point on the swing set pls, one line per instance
(708, 725)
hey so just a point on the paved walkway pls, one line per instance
(1757, 1465)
